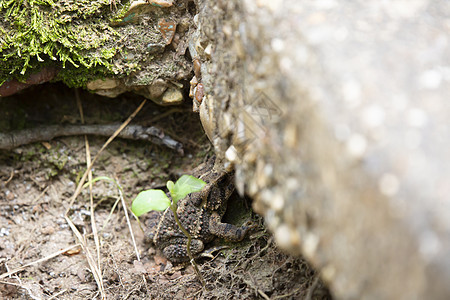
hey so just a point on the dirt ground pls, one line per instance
(38, 180)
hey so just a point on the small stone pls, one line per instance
(158, 87)
(231, 154)
(102, 84)
(9, 195)
(135, 11)
(151, 251)
(9, 290)
(193, 83)
(283, 236)
(48, 230)
(155, 48)
(208, 51)
(167, 29)
(161, 3)
(172, 96)
(4, 232)
(190, 270)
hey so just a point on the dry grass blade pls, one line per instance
(85, 175)
(7, 274)
(125, 209)
(93, 224)
(94, 268)
(105, 223)
(57, 294)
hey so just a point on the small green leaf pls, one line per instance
(185, 185)
(149, 200)
(170, 186)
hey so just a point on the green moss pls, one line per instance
(74, 35)
(78, 77)
(58, 159)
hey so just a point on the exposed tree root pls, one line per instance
(134, 132)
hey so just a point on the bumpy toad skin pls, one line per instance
(200, 213)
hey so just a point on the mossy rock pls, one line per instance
(86, 40)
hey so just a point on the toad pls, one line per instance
(200, 214)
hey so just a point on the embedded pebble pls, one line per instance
(277, 202)
(102, 84)
(4, 231)
(231, 154)
(172, 96)
(311, 241)
(283, 236)
(158, 87)
(161, 3)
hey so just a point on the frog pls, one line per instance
(201, 214)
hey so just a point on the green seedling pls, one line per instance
(157, 200)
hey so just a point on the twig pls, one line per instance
(10, 178)
(134, 132)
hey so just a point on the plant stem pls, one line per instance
(173, 207)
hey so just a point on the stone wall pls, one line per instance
(335, 114)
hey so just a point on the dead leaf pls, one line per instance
(71, 252)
